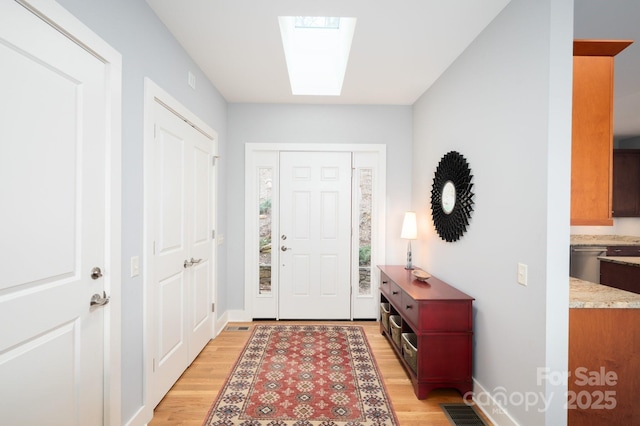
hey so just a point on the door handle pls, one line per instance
(97, 300)
(191, 262)
(285, 248)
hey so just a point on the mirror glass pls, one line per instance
(448, 197)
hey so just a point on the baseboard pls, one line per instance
(486, 402)
(239, 316)
(221, 323)
(141, 418)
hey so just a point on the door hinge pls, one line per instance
(154, 365)
(154, 248)
(213, 159)
(213, 307)
(213, 234)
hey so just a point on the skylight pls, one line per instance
(317, 51)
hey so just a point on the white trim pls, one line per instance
(490, 407)
(237, 315)
(58, 17)
(152, 94)
(252, 151)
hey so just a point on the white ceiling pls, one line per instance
(399, 48)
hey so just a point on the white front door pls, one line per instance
(53, 168)
(315, 235)
(183, 265)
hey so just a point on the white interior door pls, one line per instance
(315, 241)
(182, 272)
(53, 153)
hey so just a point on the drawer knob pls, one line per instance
(409, 307)
(394, 292)
(385, 282)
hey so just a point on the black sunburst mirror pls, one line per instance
(452, 196)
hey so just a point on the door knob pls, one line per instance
(285, 248)
(96, 273)
(97, 300)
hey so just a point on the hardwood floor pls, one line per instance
(189, 400)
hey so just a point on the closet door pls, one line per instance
(181, 290)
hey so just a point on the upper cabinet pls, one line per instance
(626, 182)
(592, 131)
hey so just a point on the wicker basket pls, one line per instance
(395, 323)
(385, 310)
(410, 350)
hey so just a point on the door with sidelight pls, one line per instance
(315, 235)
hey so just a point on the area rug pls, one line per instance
(301, 376)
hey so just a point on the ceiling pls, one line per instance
(399, 48)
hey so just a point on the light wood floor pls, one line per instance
(189, 400)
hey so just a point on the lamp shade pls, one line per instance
(409, 226)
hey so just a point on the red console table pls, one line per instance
(442, 319)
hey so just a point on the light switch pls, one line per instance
(522, 274)
(135, 266)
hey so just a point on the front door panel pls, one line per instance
(315, 219)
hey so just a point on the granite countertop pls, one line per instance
(623, 260)
(585, 294)
(604, 240)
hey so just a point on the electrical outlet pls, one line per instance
(522, 273)
(135, 266)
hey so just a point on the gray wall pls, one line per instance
(148, 50)
(259, 123)
(505, 104)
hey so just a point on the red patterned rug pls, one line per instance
(301, 376)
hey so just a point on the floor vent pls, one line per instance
(236, 328)
(462, 414)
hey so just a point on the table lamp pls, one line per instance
(409, 232)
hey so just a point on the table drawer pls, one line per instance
(395, 294)
(409, 310)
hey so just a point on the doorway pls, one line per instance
(314, 230)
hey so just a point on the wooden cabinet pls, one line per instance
(622, 276)
(603, 342)
(592, 130)
(441, 318)
(626, 183)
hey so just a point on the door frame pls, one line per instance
(266, 155)
(58, 17)
(155, 94)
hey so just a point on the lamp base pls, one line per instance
(409, 262)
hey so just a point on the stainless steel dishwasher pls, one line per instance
(584, 263)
